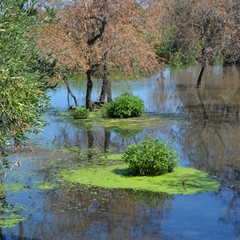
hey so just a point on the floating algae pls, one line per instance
(182, 181)
(10, 215)
(126, 126)
(10, 221)
(111, 157)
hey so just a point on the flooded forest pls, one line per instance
(203, 126)
(119, 119)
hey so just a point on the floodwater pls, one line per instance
(203, 126)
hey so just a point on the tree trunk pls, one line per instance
(199, 81)
(109, 91)
(104, 85)
(69, 92)
(89, 89)
(92, 69)
(105, 78)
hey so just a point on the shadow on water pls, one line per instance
(203, 126)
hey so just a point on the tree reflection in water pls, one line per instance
(202, 124)
(79, 213)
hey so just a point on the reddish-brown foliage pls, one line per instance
(93, 35)
(125, 37)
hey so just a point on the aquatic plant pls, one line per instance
(10, 214)
(119, 176)
(126, 132)
(124, 106)
(10, 221)
(111, 157)
(150, 157)
(80, 113)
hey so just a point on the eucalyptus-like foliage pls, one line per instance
(21, 76)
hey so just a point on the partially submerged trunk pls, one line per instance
(69, 93)
(199, 81)
(92, 69)
(109, 91)
(106, 86)
(104, 91)
(203, 60)
(89, 89)
(105, 79)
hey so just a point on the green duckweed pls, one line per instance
(182, 181)
(10, 221)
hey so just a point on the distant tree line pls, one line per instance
(203, 32)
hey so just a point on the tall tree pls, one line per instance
(99, 37)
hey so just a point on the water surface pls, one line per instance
(203, 126)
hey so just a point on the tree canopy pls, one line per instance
(123, 36)
(104, 35)
(23, 73)
(201, 31)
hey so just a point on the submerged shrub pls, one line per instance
(80, 113)
(124, 106)
(150, 157)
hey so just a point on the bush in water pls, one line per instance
(124, 106)
(150, 157)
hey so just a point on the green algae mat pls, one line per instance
(182, 181)
(10, 221)
(96, 120)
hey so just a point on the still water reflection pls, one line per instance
(202, 124)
